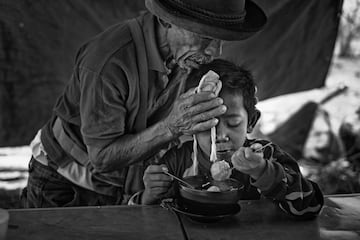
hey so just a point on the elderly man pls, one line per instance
(126, 101)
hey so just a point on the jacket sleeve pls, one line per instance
(283, 182)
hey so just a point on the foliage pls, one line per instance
(336, 177)
(349, 27)
(339, 174)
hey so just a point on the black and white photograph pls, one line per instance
(180, 119)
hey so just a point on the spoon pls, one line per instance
(178, 179)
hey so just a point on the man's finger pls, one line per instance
(202, 97)
(208, 115)
(205, 106)
(193, 99)
(188, 93)
(203, 126)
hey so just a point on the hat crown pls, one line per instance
(219, 19)
(219, 7)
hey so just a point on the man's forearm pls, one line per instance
(131, 148)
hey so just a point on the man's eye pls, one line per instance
(205, 40)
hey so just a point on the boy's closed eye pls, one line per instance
(234, 122)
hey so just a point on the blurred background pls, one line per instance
(306, 63)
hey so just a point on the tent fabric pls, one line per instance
(39, 40)
(294, 51)
(291, 135)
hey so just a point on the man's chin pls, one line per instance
(188, 65)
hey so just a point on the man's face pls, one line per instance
(190, 49)
(231, 130)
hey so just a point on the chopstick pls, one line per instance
(179, 179)
(262, 148)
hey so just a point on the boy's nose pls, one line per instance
(221, 135)
(222, 139)
(214, 48)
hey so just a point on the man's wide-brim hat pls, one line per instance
(221, 19)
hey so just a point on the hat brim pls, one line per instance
(254, 21)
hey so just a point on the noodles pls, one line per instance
(213, 156)
(209, 82)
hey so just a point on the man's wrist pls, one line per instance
(170, 131)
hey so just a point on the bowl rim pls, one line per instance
(183, 187)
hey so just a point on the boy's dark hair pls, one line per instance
(235, 79)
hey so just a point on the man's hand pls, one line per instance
(156, 184)
(193, 113)
(248, 161)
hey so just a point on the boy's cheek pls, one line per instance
(204, 138)
(205, 148)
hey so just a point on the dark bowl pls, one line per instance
(205, 213)
(231, 191)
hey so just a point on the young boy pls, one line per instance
(270, 172)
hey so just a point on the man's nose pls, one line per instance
(214, 48)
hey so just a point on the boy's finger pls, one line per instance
(163, 184)
(160, 177)
(163, 190)
(248, 152)
(238, 155)
(255, 146)
(156, 168)
(157, 191)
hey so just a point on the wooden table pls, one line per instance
(339, 219)
(111, 222)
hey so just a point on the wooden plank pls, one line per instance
(120, 222)
(339, 219)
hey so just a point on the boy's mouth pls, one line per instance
(223, 147)
(224, 154)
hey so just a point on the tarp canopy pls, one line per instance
(39, 39)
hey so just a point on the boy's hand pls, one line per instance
(156, 184)
(248, 161)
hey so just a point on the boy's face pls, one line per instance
(231, 130)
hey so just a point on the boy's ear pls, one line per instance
(253, 120)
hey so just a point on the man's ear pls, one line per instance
(253, 120)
